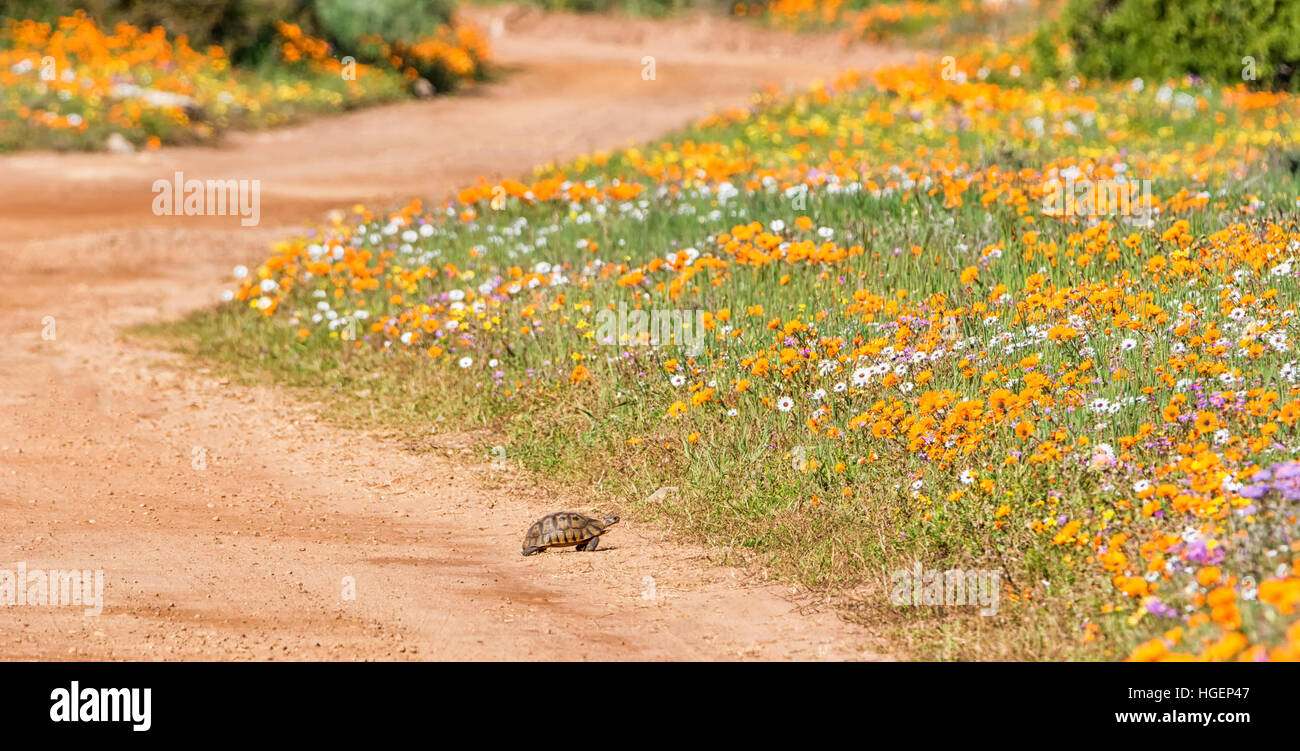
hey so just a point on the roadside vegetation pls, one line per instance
(961, 313)
(84, 82)
(921, 23)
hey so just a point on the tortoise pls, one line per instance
(564, 529)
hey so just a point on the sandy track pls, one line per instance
(246, 557)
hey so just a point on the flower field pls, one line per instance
(931, 21)
(71, 84)
(913, 342)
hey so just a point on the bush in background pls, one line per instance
(244, 28)
(416, 37)
(185, 71)
(634, 8)
(446, 58)
(1168, 38)
(345, 22)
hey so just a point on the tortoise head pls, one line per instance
(611, 521)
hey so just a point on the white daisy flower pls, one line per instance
(1103, 455)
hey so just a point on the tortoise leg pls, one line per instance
(591, 544)
(533, 550)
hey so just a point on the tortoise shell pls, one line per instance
(565, 529)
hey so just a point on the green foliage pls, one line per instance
(346, 21)
(245, 28)
(634, 8)
(1165, 38)
(631, 7)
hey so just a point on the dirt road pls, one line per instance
(230, 523)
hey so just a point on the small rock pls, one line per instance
(423, 88)
(117, 144)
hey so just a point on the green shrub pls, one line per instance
(633, 8)
(346, 21)
(245, 28)
(1165, 38)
